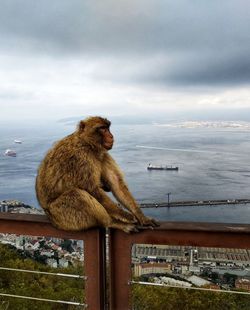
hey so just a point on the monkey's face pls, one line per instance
(107, 137)
(96, 131)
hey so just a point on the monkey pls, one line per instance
(73, 179)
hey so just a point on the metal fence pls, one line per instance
(94, 250)
(117, 273)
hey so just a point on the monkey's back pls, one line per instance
(67, 165)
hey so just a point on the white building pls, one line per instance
(149, 268)
(198, 281)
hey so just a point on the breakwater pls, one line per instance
(195, 203)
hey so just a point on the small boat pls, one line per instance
(9, 152)
(18, 141)
(153, 167)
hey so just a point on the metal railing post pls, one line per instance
(120, 270)
(95, 269)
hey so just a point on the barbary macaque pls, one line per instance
(74, 175)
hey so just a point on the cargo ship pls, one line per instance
(154, 167)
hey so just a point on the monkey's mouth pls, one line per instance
(108, 145)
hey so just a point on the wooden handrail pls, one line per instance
(169, 233)
(190, 226)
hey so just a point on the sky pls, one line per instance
(140, 58)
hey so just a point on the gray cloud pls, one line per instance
(207, 68)
(227, 71)
(175, 43)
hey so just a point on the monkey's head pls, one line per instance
(96, 132)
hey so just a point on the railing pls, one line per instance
(172, 233)
(94, 250)
(120, 245)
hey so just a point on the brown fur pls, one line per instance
(73, 177)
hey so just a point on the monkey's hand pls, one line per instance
(147, 221)
(130, 228)
(123, 216)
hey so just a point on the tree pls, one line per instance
(37, 285)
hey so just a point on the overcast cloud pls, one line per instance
(61, 58)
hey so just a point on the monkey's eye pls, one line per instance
(103, 129)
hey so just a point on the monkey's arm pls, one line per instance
(111, 207)
(113, 177)
(123, 195)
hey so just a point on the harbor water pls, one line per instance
(213, 164)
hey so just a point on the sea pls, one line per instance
(213, 161)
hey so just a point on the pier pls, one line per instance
(194, 203)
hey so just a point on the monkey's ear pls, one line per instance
(81, 126)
